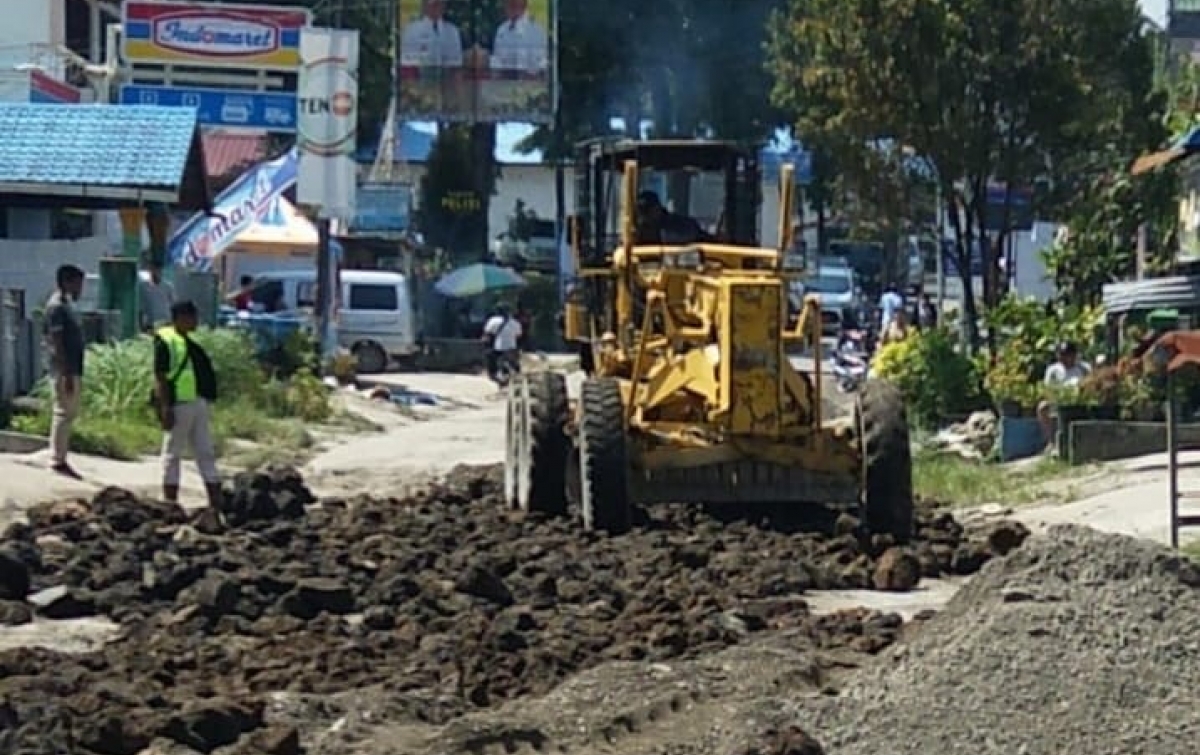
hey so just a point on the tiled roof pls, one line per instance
(97, 145)
(225, 151)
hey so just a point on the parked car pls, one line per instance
(537, 252)
(840, 298)
(375, 317)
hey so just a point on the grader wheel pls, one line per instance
(603, 473)
(542, 449)
(882, 425)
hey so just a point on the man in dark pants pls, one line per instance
(185, 385)
(64, 351)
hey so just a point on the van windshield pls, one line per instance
(828, 283)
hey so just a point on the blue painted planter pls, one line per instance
(1020, 438)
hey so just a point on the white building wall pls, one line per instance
(30, 265)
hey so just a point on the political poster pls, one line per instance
(477, 61)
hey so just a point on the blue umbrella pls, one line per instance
(477, 279)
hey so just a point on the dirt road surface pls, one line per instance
(406, 616)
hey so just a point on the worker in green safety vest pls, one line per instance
(185, 385)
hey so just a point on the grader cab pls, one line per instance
(688, 393)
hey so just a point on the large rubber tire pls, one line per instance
(603, 464)
(882, 424)
(542, 478)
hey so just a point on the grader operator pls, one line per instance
(689, 395)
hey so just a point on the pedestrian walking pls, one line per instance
(63, 334)
(185, 385)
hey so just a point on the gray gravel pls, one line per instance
(1079, 642)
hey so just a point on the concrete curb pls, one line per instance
(20, 443)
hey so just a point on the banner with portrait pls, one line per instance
(477, 61)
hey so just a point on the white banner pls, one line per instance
(327, 123)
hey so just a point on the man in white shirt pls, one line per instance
(889, 304)
(431, 41)
(521, 43)
(501, 334)
(1067, 372)
(156, 297)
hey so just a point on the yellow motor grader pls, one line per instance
(688, 393)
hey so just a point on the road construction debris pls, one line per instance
(1078, 642)
(443, 603)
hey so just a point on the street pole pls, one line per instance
(326, 275)
(940, 252)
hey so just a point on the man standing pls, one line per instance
(521, 43)
(64, 348)
(156, 296)
(431, 41)
(502, 335)
(889, 305)
(184, 386)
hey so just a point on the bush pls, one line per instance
(116, 419)
(936, 380)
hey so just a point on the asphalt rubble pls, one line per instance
(252, 632)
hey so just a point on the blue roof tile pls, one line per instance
(109, 145)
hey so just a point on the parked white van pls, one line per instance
(375, 318)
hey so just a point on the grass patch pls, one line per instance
(116, 420)
(1191, 549)
(951, 479)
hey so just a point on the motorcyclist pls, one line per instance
(656, 225)
(501, 338)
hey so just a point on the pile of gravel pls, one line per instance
(1079, 642)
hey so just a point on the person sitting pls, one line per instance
(657, 225)
(1067, 372)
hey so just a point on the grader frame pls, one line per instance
(690, 395)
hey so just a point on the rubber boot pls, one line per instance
(171, 493)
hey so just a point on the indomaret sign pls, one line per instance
(328, 120)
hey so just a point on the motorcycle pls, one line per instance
(851, 362)
(508, 364)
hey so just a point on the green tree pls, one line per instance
(980, 91)
(1104, 218)
(460, 177)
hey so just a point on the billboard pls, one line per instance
(269, 111)
(477, 60)
(327, 99)
(211, 35)
(382, 208)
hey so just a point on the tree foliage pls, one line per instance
(455, 190)
(689, 66)
(981, 91)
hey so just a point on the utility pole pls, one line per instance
(327, 278)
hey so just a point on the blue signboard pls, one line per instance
(382, 208)
(271, 111)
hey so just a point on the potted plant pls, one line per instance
(1013, 393)
(1101, 390)
(1140, 397)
